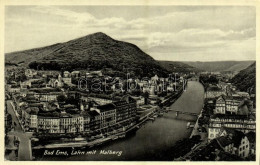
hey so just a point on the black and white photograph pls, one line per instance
(130, 83)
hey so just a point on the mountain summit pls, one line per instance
(96, 51)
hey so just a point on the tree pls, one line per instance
(61, 98)
(146, 96)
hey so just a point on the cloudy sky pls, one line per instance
(174, 33)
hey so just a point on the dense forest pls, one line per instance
(245, 80)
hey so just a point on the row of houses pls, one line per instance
(105, 117)
(231, 105)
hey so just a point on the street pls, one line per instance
(24, 151)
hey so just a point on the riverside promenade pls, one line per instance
(101, 140)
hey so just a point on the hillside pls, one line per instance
(218, 66)
(94, 52)
(245, 80)
(177, 66)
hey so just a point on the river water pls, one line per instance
(155, 139)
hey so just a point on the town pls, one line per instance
(68, 109)
(226, 124)
(54, 109)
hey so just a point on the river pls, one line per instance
(154, 140)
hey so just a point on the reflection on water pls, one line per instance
(154, 140)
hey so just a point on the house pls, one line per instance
(55, 83)
(67, 78)
(25, 84)
(29, 73)
(75, 74)
(154, 79)
(241, 144)
(227, 104)
(220, 106)
(66, 74)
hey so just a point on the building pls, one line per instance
(67, 78)
(139, 100)
(154, 79)
(107, 115)
(237, 122)
(71, 123)
(86, 121)
(220, 106)
(94, 124)
(54, 83)
(225, 143)
(227, 104)
(29, 73)
(29, 118)
(46, 97)
(214, 91)
(49, 124)
(60, 123)
(75, 74)
(25, 84)
(98, 100)
(125, 110)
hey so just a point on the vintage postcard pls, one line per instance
(161, 82)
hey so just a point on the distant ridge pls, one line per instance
(218, 66)
(175, 66)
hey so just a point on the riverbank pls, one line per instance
(100, 140)
(196, 126)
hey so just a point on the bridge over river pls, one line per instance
(155, 139)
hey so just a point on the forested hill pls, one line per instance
(94, 52)
(245, 80)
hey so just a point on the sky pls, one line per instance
(172, 33)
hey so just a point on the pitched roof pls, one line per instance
(224, 141)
